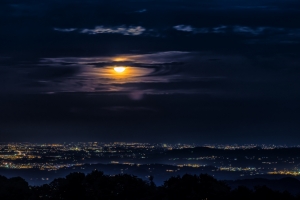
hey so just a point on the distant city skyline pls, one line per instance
(42, 163)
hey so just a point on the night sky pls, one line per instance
(196, 71)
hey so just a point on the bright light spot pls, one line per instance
(119, 69)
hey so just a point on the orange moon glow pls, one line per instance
(119, 69)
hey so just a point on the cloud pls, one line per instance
(150, 58)
(219, 29)
(224, 29)
(124, 30)
(96, 74)
(249, 30)
(130, 30)
(186, 28)
(237, 29)
(159, 73)
(65, 29)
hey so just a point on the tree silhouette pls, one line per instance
(13, 188)
(96, 186)
(195, 187)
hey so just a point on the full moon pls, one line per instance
(119, 69)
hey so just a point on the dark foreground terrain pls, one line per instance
(97, 185)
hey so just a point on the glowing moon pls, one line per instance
(119, 69)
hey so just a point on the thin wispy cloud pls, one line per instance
(124, 30)
(186, 28)
(245, 30)
(65, 29)
(219, 29)
(249, 30)
(151, 58)
(202, 30)
(289, 35)
(143, 72)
